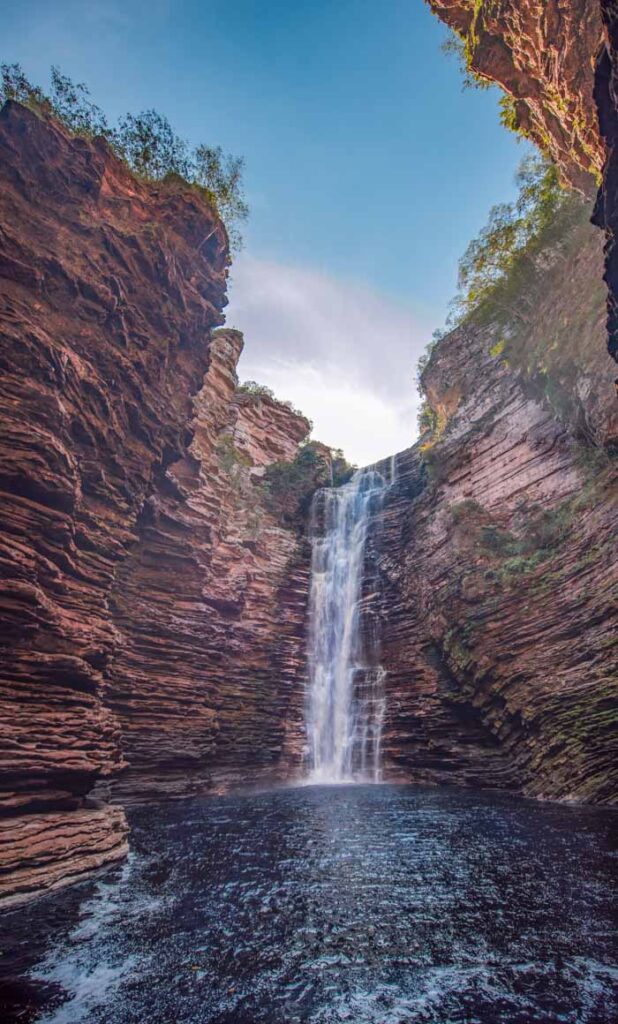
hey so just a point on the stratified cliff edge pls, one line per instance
(211, 603)
(606, 211)
(543, 55)
(498, 559)
(558, 65)
(149, 613)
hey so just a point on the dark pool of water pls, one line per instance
(366, 904)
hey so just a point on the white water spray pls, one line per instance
(345, 707)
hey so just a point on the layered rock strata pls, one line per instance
(211, 603)
(558, 64)
(543, 55)
(150, 624)
(498, 560)
(606, 211)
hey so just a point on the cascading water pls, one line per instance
(345, 706)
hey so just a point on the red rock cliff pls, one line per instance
(498, 558)
(558, 63)
(150, 625)
(211, 603)
(543, 55)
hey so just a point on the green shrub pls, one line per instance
(497, 349)
(465, 509)
(230, 459)
(502, 269)
(494, 538)
(290, 486)
(539, 537)
(145, 141)
(519, 565)
(427, 418)
(251, 387)
(459, 47)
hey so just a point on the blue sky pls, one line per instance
(368, 170)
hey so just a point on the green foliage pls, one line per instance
(221, 175)
(459, 47)
(151, 148)
(427, 418)
(465, 509)
(340, 469)
(509, 116)
(519, 565)
(500, 268)
(231, 461)
(494, 538)
(15, 86)
(251, 387)
(291, 485)
(497, 349)
(145, 141)
(539, 537)
(72, 105)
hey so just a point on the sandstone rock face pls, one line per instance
(606, 211)
(498, 561)
(211, 604)
(558, 61)
(41, 852)
(151, 607)
(543, 55)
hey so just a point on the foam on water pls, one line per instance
(340, 905)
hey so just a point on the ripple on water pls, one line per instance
(367, 904)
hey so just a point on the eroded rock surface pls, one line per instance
(498, 557)
(606, 211)
(211, 603)
(543, 55)
(151, 607)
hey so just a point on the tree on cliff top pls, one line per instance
(498, 269)
(502, 269)
(145, 141)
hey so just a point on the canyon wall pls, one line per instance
(151, 605)
(606, 211)
(497, 554)
(557, 63)
(543, 55)
(211, 604)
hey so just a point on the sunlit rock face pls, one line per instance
(543, 55)
(498, 557)
(558, 63)
(151, 608)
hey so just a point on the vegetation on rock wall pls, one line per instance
(145, 141)
(251, 387)
(519, 242)
(504, 270)
(461, 47)
(290, 486)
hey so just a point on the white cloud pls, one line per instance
(340, 351)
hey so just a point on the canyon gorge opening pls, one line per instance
(283, 740)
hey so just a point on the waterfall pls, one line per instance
(345, 706)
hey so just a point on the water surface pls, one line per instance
(366, 904)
